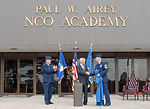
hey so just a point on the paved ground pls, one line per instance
(36, 102)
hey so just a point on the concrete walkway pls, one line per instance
(36, 102)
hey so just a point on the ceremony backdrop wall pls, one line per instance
(125, 48)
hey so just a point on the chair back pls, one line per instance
(132, 83)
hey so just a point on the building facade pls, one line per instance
(30, 30)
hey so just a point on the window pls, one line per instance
(26, 76)
(124, 71)
(39, 75)
(10, 76)
(140, 71)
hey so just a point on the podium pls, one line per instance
(78, 94)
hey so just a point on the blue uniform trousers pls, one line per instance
(106, 93)
(48, 91)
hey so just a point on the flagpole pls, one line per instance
(59, 84)
(62, 66)
(74, 70)
(76, 53)
(92, 84)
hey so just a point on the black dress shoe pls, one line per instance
(107, 104)
(47, 103)
(85, 103)
(51, 102)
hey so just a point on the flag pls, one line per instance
(62, 66)
(89, 64)
(74, 69)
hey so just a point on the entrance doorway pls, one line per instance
(18, 76)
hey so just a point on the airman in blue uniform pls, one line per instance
(48, 79)
(103, 68)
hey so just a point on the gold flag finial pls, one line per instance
(59, 47)
(91, 46)
(75, 45)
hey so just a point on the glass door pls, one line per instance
(39, 75)
(10, 76)
(128, 67)
(140, 71)
(124, 71)
(26, 76)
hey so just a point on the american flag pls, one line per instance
(74, 69)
